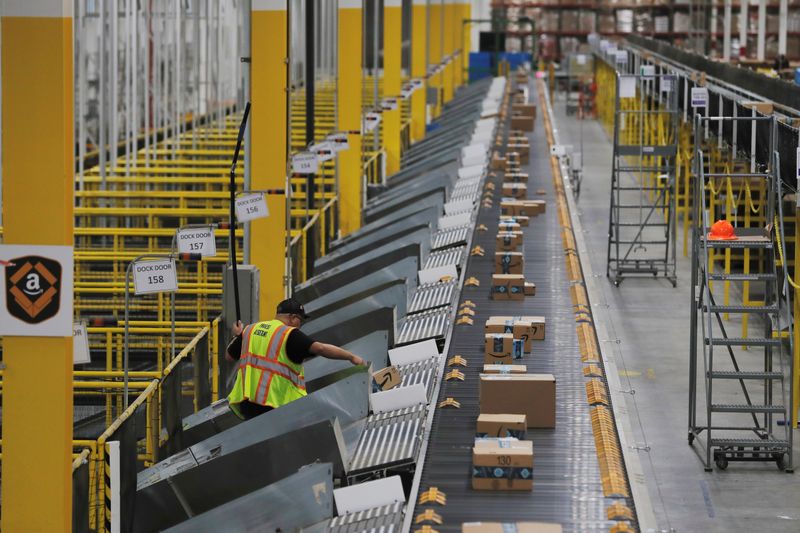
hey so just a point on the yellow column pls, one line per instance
(448, 40)
(435, 50)
(392, 43)
(462, 42)
(268, 83)
(466, 42)
(419, 66)
(348, 98)
(38, 150)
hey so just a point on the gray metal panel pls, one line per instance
(403, 236)
(364, 260)
(389, 440)
(347, 400)
(357, 327)
(638, 150)
(412, 203)
(392, 294)
(211, 484)
(450, 237)
(386, 519)
(391, 231)
(448, 256)
(432, 295)
(209, 421)
(420, 216)
(431, 324)
(373, 348)
(294, 502)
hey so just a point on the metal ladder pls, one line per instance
(756, 427)
(641, 227)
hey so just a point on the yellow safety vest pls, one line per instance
(266, 376)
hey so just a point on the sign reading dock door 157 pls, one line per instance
(154, 276)
(36, 299)
(197, 241)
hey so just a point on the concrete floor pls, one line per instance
(648, 323)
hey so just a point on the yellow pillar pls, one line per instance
(348, 98)
(38, 150)
(435, 10)
(448, 41)
(466, 42)
(419, 66)
(268, 83)
(392, 44)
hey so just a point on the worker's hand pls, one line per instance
(357, 361)
(237, 328)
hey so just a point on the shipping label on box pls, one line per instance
(502, 464)
(515, 190)
(532, 395)
(508, 241)
(504, 369)
(514, 178)
(508, 262)
(502, 425)
(522, 221)
(508, 287)
(499, 348)
(509, 226)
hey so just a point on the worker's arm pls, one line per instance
(234, 349)
(329, 351)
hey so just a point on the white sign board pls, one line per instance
(648, 71)
(412, 353)
(627, 87)
(371, 121)
(80, 344)
(435, 274)
(455, 221)
(197, 241)
(581, 59)
(251, 206)
(37, 295)
(622, 57)
(305, 163)
(154, 276)
(369, 495)
(458, 206)
(699, 97)
(339, 141)
(389, 104)
(666, 84)
(398, 398)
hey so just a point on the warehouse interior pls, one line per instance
(561, 236)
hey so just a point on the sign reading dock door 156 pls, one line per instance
(251, 206)
(154, 276)
(36, 299)
(197, 241)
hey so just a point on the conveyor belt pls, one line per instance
(386, 519)
(567, 487)
(432, 295)
(448, 256)
(450, 237)
(426, 325)
(389, 440)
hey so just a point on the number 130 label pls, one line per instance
(251, 207)
(154, 276)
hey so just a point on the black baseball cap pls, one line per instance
(291, 306)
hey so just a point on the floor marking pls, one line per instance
(707, 498)
(630, 373)
(651, 374)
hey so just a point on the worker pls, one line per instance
(271, 355)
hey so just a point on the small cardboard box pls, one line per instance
(502, 464)
(505, 369)
(522, 327)
(499, 348)
(508, 287)
(497, 162)
(508, 263)
(532, 395)
(515, 177)
(517, 527)
(387, 378)
(521, 122)
(525, 110)
(501, 425)
(508, 241)
(509, 226)
(529, 288)
(523, 221)
(515, 190)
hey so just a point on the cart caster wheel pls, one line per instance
(780, 460)
(709, 470)
(674, 284)
(691, 439)
(616, 283)
(721, 462)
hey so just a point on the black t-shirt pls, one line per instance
(298, 347)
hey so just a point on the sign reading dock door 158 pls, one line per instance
(36, 299)
(154, 276)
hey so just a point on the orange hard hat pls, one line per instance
(722, 230)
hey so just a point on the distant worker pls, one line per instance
(271, 355)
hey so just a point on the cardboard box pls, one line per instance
(386, 378)
(522, 327)
(508, 241)
(502, 425)
(521, 220)
(511, 207)
(497, 162)
(515, 177)
(508, 263)
(515, 190)
(509, 226)
(529, 288)
(525, 110)
(521, 122)
(499, 348)
(505, 369)
(508, 287)
(517, 527)
(532, 395)
(502, 464)
(522, 150)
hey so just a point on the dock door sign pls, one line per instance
(154, 276)
(699, 97)
(197, 241)
(37, 295)
(251, 206)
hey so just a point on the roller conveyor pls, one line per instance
(432, 324)
(433, 295)
(450, 237)
(386, 519)
(420, 373)
(445, 257)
